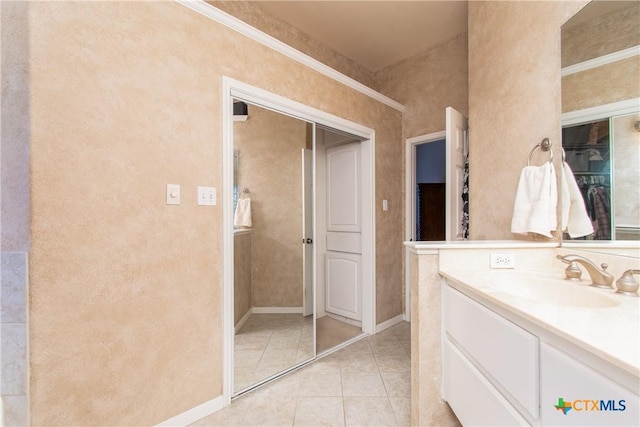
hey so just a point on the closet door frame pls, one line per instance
(233, 89)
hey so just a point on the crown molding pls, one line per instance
(247, 30)
(601, 60)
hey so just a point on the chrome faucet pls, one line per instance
(599, 278)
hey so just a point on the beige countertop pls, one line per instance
(611, 333)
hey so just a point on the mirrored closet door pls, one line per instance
(273, 226)
(298, 241)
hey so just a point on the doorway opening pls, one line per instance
(425, 207)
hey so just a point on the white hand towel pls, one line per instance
(242, 217)
(534, 210)
(575, 219)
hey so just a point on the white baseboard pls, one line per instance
(195, 414)
(389, 323)
(276, 310)
(242, 321)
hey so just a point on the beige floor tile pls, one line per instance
(397, 384)
(319, 411)
(402, 330)
(362, 384)
(359, 347)
(393, 362)
(402, 410)
(325, 364)
(391, 345)
(263, 411)
(368, 411)
(326, 383)
(354, 362)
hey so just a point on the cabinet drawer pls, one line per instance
(474, 400)
(594, 399)
(504, 352)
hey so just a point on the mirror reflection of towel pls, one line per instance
(575, 219)
(242, 217)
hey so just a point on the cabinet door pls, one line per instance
(573, 394)
(472, 397)
(506, 352)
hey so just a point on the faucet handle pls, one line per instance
(627, 284)
(573, 272)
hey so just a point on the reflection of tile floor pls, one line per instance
(270, 343)
(331, 332)
(364, 384)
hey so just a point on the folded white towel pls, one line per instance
(242, 217)
(534, 210)
(575, 219)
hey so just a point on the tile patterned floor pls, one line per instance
(364, 384)
(270, 343)
(331, 332)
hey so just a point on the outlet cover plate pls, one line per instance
(503, 260)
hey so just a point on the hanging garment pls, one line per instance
(600, 197)
(465, 199)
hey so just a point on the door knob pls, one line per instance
(309, 241)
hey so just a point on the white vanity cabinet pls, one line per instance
(496, 372)
(593, 399)
(490, 365)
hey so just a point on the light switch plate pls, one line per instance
(207, 196)
(173, 194)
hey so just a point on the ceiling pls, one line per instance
(375, 34)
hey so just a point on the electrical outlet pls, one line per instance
(503, 261)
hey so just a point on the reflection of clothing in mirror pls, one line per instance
(599, 211)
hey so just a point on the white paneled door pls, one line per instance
(344, 227)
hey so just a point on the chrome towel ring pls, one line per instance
(544, 145)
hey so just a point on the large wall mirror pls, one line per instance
(601, 114)
(298, 233)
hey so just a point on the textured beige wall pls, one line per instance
(125, 296)
(427, 84)
(427, 406)
(605, 34)
(270, 166)
(514, 101)
(241, 275)
(613, 82)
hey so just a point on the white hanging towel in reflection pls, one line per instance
(242, 217)
(574, 217)
(534, 210)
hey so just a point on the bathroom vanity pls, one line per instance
(514, 364)
(521, 346)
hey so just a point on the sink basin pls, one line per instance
(544, 288)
